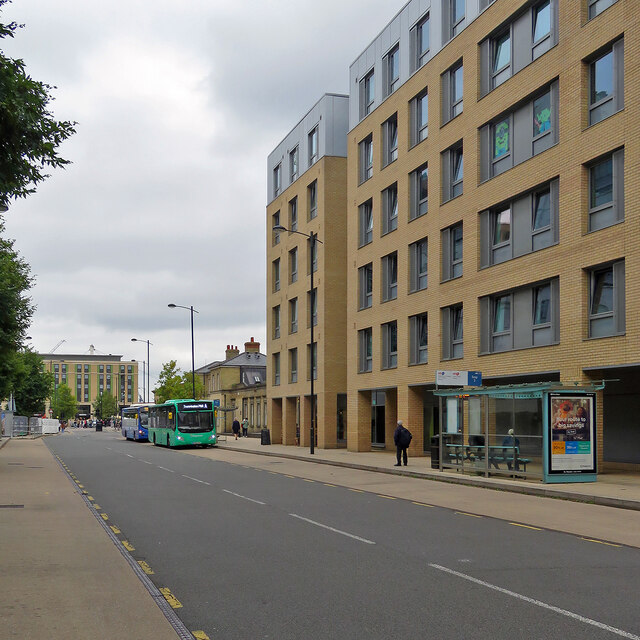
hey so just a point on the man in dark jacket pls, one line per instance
(235, 427)
(402, 439)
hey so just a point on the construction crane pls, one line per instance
(59, 343)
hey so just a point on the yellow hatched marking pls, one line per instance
(357, 490)
(609, 544)
(97, 507)
(471, 515)
(104, 516)
(525, 526)
(145, 567)
(326, 484)
(170, 598)
(422, 504)
(200, 635)
(90, 498)
(128, 546)
(387, 497)
(84, 493)
(81, 485)
(114, 529)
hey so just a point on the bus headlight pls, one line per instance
(179, 438)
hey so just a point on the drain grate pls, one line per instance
(11, 506)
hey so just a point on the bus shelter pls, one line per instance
(544, 431)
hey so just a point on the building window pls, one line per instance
(293, 214)
(312, 198)
(276, 274)
(313, 145)
(500, 136)
(457, 9)
(418, 339)
(419, 114)
(452, 172)
(100, 368)
(366, 158)
(86, 368)
(293, 265)
(502, 323)
(542, 115)
(293, 365)
(367, 94)
(607, 300)
(277, 180)
(56, 367)
(606, 191)
(452, 332)
(293, 165)
(276, 369)
(293, 315)
(596, 7)
(419, 200)
(390, 277)
(390, 140)
(391, 68)
(418, 254)
(419, 38)
(452, 252)
(365, 350)
(501, 59)
(542, 21)
(501, 234)
(365, 282)
(121, 370)
(452, 92)
(275, 223)
(276, 322)
(606, 83)
(390, 209)
(312, 306)
(390, 345)
(365, 214)
(64, 379)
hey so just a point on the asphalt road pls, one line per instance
(252, 553)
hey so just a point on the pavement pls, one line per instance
(63, 576)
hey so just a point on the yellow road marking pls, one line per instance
(273, 473)
(84, 492)
(81, 485)
(463, 513)
(326, 484)
(526, 526)
(307, 480)
(200, 635)
(104, 516)
(288, 476)
(357, 490)
(609, 544)
(145, 567)
(90, 498)
(170, 598)
(97, 507)
(128, 546)
(387, 497)
(114, 529)
(422, 504)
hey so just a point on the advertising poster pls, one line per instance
(572, 441)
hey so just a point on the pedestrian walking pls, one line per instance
(245, 428)
(402, 439)
(235, 427)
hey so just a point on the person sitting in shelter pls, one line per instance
(511, 441)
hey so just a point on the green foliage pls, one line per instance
(105, 406)
(16, 310)
(173, 383)
(63, 403)
(32, 385)
(29, 135)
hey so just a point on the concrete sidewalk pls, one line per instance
(62, 575)
(618, 489)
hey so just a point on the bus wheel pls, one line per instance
(168, 442)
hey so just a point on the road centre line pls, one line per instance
(165, 469)
(464, 513)
(422, 504)
(325, 526)
(538, 603)
(526, 526)
(237, 495)
(145, 461)
(128, 455)
(609, 544)
(196, 480)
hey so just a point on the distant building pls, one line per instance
(90, 375)
(239, 384)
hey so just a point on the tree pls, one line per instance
(105, 406)
(29, 135)
(16, 309)
(32, 385)
(63, 403)
(173, 383)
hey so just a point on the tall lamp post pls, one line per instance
(313, 239)
(193, 359)
(148, 377)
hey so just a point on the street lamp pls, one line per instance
(148, 378)
(193, 360)
(313, 238)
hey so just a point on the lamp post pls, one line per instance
(193, 359)
(148, 378)
(313, 239)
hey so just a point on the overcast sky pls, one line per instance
(178, 105)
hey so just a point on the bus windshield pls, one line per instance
(195, 421)
(144, 418)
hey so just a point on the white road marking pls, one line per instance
(165, 469)
(141, 460)
(128, 455)
(237, 495)
(195, 479)
(538, 603)
(325, 526)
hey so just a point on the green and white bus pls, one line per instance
(182, 423)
